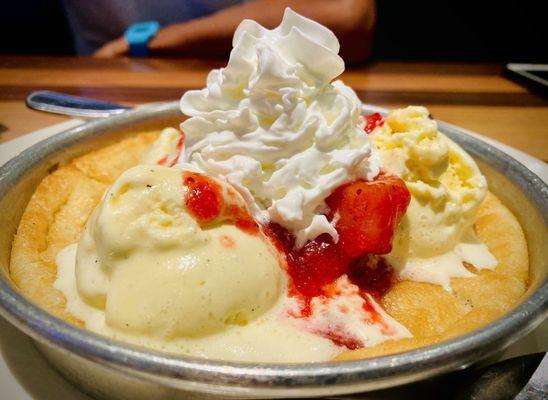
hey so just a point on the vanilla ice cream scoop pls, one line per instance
(145, 261)
(446, 189)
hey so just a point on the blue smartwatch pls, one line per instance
(138, 35)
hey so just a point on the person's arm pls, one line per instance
(352, 21)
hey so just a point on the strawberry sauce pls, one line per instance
(207, 201)
(372, 274)
(320, 262)
(204, 198)
(325, 276)
(367, 213)
(372, 121)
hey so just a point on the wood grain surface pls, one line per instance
(474, 96)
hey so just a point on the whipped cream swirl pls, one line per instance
(272, 124)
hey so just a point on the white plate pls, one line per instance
(25, 375)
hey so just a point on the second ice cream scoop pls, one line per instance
(154, 270)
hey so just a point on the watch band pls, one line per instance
(138, 35)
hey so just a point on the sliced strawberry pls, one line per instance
(368, 214)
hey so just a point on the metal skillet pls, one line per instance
(108, 368)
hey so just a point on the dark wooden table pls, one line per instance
(474, 96)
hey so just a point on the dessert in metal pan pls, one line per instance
(276, 223)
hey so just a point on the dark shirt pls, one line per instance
(96, 22)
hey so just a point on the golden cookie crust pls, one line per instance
(62, 203)
(432, 314)
(56, 214)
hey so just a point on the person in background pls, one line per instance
(204, 28)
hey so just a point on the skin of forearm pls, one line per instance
(351, 20)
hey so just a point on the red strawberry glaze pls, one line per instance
(367, 214)
(372, 121)
(340, 339)
(204, 198)
(341, 309)
(320, 262)
(372, 274)
(206, 201)
(239, 215)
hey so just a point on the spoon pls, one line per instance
(74, 106)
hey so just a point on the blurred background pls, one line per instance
(465, 30)
(449, 56)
